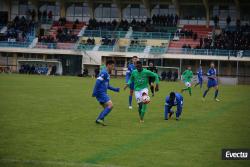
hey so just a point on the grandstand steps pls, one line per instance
(3, 29)
(147, 49)
(201, 30)
(129, 33)
(182, 41)
(96, 48)
(33, 43)
(82, 31)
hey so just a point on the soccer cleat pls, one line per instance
(216, 99)
(130, 107)
(203, 99)
(177, 118)
(101, 122)
(141, 121)
(166, 119)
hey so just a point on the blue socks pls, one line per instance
(130, 100)
(104, 113)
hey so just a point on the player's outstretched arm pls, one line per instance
(113, 89)
(131, 79)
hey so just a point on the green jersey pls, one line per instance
(140, 79)
(187, 76)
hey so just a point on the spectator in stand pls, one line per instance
(33, 15)
(44, 15)
(216, 20)
(39, 15)
(228, 20)
(77, 21)
(50, 15)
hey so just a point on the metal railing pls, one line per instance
(210, 52)
(132, 48)
(100, 33)
(58, 45)
(151, 35)
(106, 48)
(14, 44)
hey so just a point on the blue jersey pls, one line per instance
(131, 68)
(199, 73)
(211, 74)
(177, 102)
(212, 81)
(102, 84)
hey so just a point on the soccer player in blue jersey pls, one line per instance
(200, 78)
(131, 68)
(100, 91)
(212, 82)
(174, 99)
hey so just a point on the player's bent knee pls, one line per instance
(110, 104)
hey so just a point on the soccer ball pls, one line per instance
(145, 99)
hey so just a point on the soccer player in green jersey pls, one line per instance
(187, 76)
(140, 78)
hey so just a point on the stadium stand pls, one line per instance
(62, 35)
(161, 33)
(19, 33)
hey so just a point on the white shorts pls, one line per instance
(138, 94)
(188, 84)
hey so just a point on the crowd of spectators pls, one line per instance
(102, 25)
(148, 25)
(108, 41)
(17, 30)
(151, 24)
(37, 69)
(165, 20)
(45, 15)
(63, 34)
(229, 40)
(31, 14)
(187, 33)
(66, 35)
(90, 41)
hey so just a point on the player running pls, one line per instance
(131, 68)
(187, 76)
(140, 78)
(100, 91)
(212, 82)
(200, 78)
(151, 80)
(174, 99)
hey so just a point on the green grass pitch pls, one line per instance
(49, 121)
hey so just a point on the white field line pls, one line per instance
(57, 163)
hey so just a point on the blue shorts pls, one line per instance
(200, 80)
(132, 86)
(103, 98)
(212, 83)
